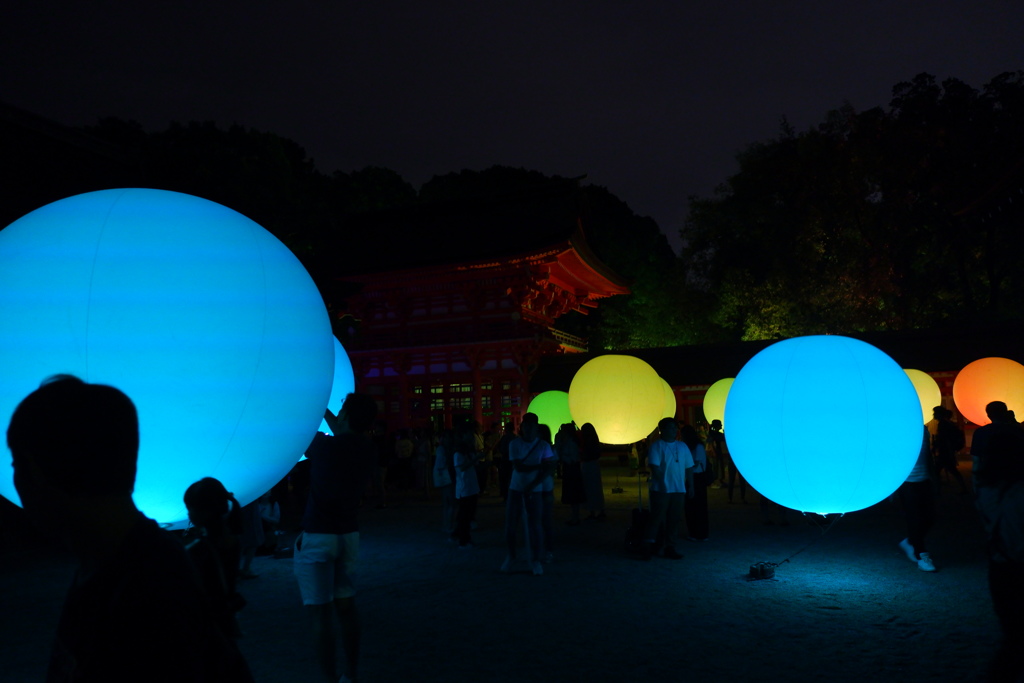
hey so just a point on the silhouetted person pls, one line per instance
(948, 441)
(531, 457)
(728, 472)
(917, 496)
(216, 551)
(567, 448)
(998, 453)
(251, 538)
(503, 464)
(326, 551)
(590, 456)
(695, 507)
(444, 481)
(671, 464)
(136, 610)
(467, 487)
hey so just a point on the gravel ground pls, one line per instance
(848, 606)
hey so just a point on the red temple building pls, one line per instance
(459, 322)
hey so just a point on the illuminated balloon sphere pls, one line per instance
(622, 396)
(551, 409)
(670, 400)
(823, 424)
(714, 400)
(209, 324)
(928, 392)
(987, 380)
(344, 383)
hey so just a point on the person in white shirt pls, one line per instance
(671, 466)
(532, 459)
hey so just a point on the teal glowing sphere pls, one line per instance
(823, 424)
(208, 322)
(551, 409)
(344, 383)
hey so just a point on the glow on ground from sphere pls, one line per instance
(824, 424)
(987, 380)
(715, 398)
(928, 392)
(203, 318)
(622, 396)
(551, 409)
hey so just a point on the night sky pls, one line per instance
(649, 99)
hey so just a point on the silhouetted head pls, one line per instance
(207, 501)
(528, 427)
(359, 411)
(689, 436)
(465, 439)
(81, 439)
(669, 429)
(544, 432)
(997, 411)
(716, 425)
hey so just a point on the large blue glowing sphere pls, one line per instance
(209, 323)
(823, 424)
(344, 383)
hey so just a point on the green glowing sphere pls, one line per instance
(551, 409)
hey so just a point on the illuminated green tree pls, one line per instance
(883, 219)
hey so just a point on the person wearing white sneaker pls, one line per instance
(917, 496)
(327, 549)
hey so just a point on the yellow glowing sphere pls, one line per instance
(622, 396)
(927, 391)
(670, 400)
(714, 400)
(987, 380)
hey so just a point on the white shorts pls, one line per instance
(323, 566)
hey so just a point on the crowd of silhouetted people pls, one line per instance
(141, 592)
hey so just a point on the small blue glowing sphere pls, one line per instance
(209, 324)
(823, 424)
(344, 383)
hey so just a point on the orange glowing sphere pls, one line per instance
(987, 380)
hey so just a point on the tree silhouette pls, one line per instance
(879, 220)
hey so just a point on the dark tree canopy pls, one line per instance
(892, 218)
(879, 220)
